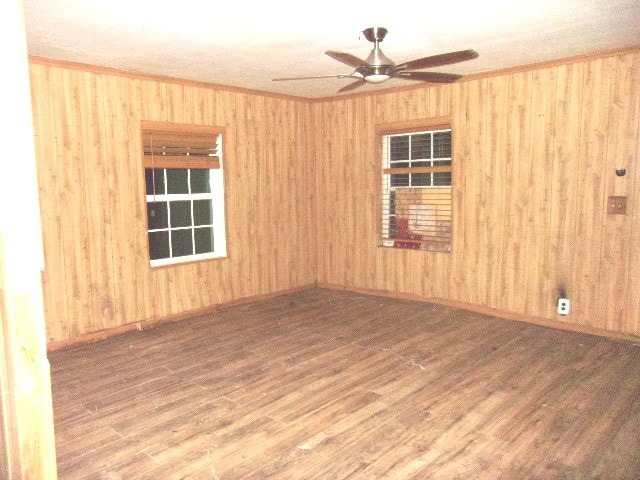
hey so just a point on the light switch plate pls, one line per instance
(617, 205)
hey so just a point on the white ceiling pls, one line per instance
(247, 44)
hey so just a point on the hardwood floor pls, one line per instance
(332, 385)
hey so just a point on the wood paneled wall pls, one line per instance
(535, 154)
(88, 148)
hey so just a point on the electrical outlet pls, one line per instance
(563, 306)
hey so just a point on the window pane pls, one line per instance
(200, 181)
(399, 148)
(202, 212)
(157, 215)
(400, 180)
(420, 179)
(177, 180)
(204, 239)
(154, 176)
(180, 213)
(442, 178)
(181, 243)
(421, 146)
(442, 144)
(158, 245)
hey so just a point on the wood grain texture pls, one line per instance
(89, 151)
(535, 153)
(320, 384)
(27, 443)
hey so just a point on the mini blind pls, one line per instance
(416, 190)
(180, 149)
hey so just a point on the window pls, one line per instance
(184, 191)
(416, 189)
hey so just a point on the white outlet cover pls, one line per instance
(563, 306)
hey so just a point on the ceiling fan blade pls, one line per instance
(336, 75)
(353, 86)
(432, 77)
(346, 58)
(438, 60)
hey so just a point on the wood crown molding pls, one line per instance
(159, 78)
(493, 73)
(99, 70)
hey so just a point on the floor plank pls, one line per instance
(333, 385)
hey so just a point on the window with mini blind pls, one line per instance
(416, 189)
(184, 191)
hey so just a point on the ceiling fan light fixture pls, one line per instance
(377, 78)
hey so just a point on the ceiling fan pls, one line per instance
(378, 68)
